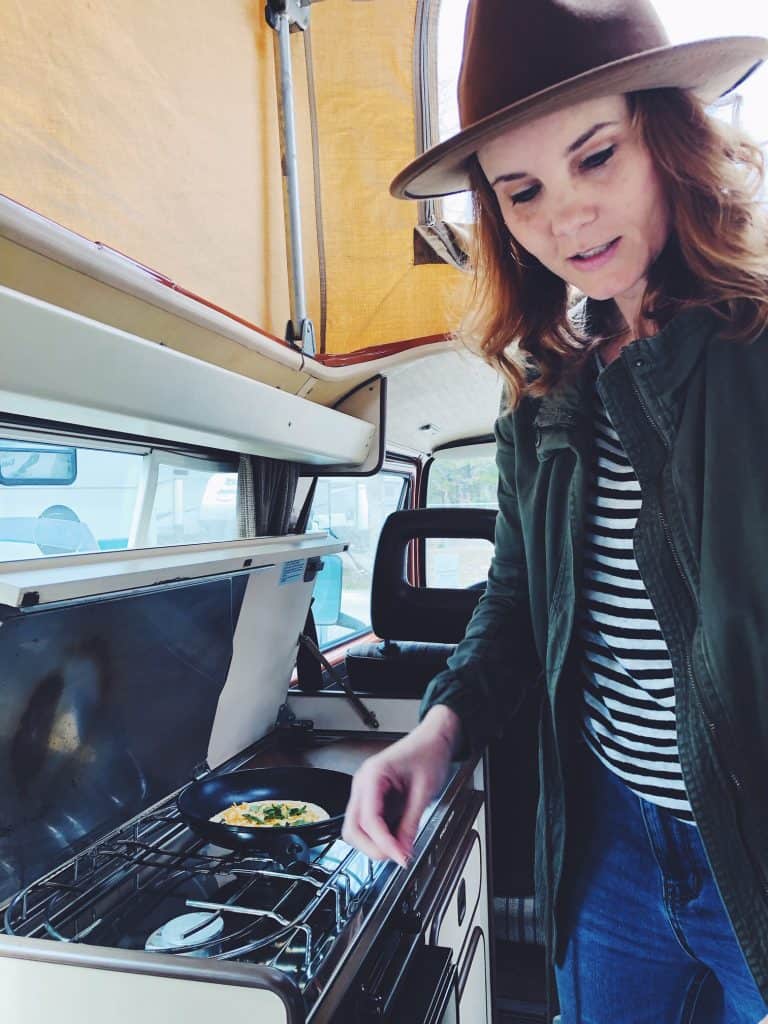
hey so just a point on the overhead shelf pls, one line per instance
(65, 368)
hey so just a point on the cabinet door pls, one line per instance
(473, 991)
(453, 922)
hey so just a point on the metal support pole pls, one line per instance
(281, 14)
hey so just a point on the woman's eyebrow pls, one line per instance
(588, 135)
(576, 144)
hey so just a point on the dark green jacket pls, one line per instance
(691, 410)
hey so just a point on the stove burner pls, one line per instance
(187, 935)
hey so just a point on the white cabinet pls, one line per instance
(451, 1015)
(460, 923)
(474, 995)
(453, 921)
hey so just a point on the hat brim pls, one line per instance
(710, 68)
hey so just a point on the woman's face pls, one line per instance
(578, 190)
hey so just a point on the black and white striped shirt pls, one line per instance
(629, 696)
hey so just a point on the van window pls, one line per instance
(353, 509)
(192, 503)
(468, 481)
(456, 209)
(58, 498)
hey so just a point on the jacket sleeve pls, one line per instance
(488, 674)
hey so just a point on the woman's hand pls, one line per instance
(391, 789)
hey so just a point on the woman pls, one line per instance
(632, 501)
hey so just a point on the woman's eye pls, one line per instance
(526, 196)
(598, 159)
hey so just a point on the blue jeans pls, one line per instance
(647, 937)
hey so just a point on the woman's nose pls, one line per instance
(572, 216)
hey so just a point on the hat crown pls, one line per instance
(516, 48)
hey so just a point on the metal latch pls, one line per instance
(286, 719)
(296, 12)
(313, 567)
(200, 771)
(367, 716)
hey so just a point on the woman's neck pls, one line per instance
(635, 326)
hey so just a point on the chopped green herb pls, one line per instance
(272, 813)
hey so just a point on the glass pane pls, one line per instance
(457, 562)
(92, 513)
(58, 499)
(686, 20)
(469, 481)
(354, 510)
(193, 505)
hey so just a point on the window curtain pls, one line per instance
(265, 492)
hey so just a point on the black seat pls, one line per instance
(419, 626)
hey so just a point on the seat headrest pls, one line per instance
(436, 614)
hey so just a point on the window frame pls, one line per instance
(148, 484)
(399, 464)
(419, 546)
(435, 239)
(464, 442)
(425, 93)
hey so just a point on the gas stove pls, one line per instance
(311, 916)
(112, 909)
(153, 885)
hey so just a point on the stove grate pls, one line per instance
(116, 892)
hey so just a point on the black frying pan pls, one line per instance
(201, 800)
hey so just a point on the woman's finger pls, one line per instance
(356, 836)
(417, 800)
(365, 845)
(353, 831)
(372, 822)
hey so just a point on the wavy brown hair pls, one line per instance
(716, 255)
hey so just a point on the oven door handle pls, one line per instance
(386, 975)
(424, 992)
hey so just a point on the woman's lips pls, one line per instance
(597, 261)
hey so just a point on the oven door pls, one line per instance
(425, 993)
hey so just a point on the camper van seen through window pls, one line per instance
(60, 499)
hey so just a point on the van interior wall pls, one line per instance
(364, 73)
(157, 135)
(152, 128)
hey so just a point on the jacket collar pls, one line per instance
(571, 402)
(659, 364)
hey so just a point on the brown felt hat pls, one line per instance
(526, 58)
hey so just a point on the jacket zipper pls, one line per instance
(734, 780)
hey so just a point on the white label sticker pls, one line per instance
(293, 572)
